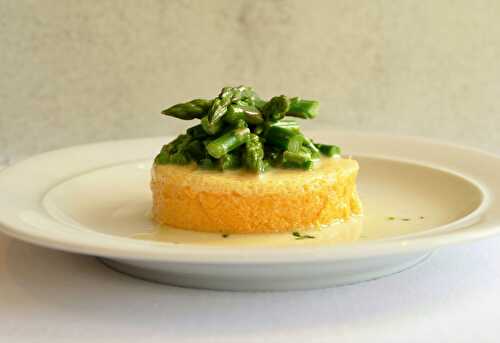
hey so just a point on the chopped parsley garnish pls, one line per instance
(402, 219)
(298, 235)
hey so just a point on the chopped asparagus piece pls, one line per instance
(305, 109)
(239, 129)
(279, 136)
(211, 128)
(197, 132)
(195, 109)
(328, 150)
(276, 108)
(254, 156)
(249, 114)
(229, 161)
(228, 142)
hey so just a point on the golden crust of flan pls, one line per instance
(241, 202)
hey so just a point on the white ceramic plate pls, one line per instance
(419, 195)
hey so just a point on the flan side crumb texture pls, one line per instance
(239, 202)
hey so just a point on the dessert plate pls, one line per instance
(419, 195)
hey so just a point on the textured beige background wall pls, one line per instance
(80, 71)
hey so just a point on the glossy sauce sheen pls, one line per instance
(341, 232)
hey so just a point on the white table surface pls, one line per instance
(51, 296)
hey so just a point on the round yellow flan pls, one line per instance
(280, 200)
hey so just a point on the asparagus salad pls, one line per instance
(238, 129)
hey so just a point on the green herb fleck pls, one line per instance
(299, 236)
(421, 217)
(391, 218)
(405, 219)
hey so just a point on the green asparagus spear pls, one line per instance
(259, 103)
(162, 158)
(228, 142)
(328, 150)
(203, 103)
(242, 93)
(249, 114)
(258, 129)
(299, 159)
(177, 144)
(195, 109)
(240, 124)
(296, 157)
(196, 150)
(248, 95)
(276, 108)
(175, 158)
(179, 158)
(217, 111)
(315, 153)
(211, 128)
(279, 136)
(286, 123)
(229, 161)
(197, 132)
(305, 109)
(175, 151)
(273, 155)
(307, 165)
(254, 154)
(295, 143)
(228, 95)
(238, 128)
